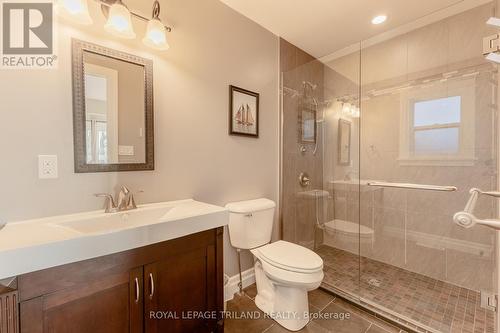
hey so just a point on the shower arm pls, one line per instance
(467, 219)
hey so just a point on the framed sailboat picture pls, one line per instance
(243, 112)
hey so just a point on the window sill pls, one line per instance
(437, 161)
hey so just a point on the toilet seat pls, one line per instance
(289, 257)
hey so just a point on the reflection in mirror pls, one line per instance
(113, 110)
(344, 149)
(308, 126)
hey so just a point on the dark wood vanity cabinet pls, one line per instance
(174, 286)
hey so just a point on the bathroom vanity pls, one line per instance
(156, 269)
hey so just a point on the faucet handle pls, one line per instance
(110, 202)
(125, 189)
(131, 204)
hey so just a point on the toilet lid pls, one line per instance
(291, 257)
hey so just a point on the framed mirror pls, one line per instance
(307, 125)
(344, 142)
(112, 110)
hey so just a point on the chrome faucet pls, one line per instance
(125, 201)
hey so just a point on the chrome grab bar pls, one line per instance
(414, 186)
(466, 218)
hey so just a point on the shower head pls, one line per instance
(310, 85)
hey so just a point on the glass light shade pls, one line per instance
(156, 35)
(119, 21)
(355, 113)
(75, 10)
(346, 109)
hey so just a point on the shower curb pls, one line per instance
(371, 312)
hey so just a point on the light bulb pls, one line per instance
(156, 35)
(353, 110)
(379, 19)
(75, 10)
(346, 109)
(119, 21)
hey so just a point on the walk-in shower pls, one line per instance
(381, 144)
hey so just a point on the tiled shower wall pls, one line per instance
(298, 212)
(414, 230)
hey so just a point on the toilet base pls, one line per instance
(287, 305)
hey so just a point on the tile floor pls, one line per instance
(354, 321)
(432, 304)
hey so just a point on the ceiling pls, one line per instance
(321, 27)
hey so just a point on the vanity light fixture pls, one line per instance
(346, 109)
(379, 19)
(156, 33)
(119, 20)
(75, 10)
(350, 110)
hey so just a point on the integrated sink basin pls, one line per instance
(27, 246)
(104, 223)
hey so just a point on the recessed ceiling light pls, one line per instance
(379, 19)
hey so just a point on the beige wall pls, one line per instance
(211, 47)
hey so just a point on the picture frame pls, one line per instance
(243, 112)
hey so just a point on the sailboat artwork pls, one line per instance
(244, 116)
(244, 112)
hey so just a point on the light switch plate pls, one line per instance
(47, 167)
(126, 150)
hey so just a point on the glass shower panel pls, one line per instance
(429, 117)
(304, 201)
(323, 213)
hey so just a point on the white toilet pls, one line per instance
(284, 272)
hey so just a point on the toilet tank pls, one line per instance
(251, 223)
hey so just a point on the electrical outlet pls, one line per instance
(47, 167)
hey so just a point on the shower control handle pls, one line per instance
(467, 219)
(304, 179)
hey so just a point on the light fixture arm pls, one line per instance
(156, 9)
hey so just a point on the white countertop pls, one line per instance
(28, 246)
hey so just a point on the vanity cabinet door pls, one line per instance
(181, 293)
(111, 304)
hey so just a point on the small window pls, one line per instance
(436, 126)
(440, 111)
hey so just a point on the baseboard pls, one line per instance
(231, 288)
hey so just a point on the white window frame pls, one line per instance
(465, 88)
(111, 76)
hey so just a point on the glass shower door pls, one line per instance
(429, 118)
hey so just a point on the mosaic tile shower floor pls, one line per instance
(431, 303)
